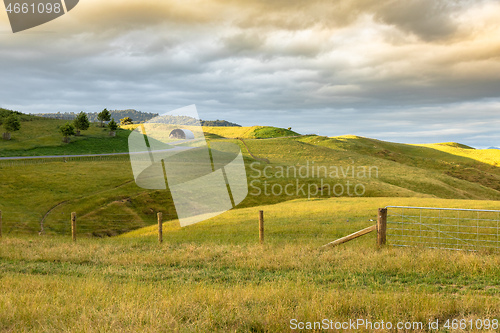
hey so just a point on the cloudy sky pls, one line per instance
(414, 71)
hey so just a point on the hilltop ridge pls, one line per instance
(136, 116)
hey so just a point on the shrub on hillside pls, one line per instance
(81, 122)
(11, 124)
(113, 126)
(67, 130)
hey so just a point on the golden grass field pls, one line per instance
(214, 276)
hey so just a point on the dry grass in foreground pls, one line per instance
(136, 285)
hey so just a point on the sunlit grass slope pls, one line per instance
(253, 132)
(314, 221)
(401, 168)
(475, 166)
(488, 156)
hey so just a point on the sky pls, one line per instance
(413, 71)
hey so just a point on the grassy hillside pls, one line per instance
(103, 193)
(475, 166)
(41, 136)
(404, 170)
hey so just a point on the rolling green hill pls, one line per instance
(42, 193)
(254, 132)
(40, 136)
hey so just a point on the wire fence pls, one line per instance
(443, 228)
(92, 224)
(27, 160)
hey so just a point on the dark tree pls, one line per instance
(103, 116)
(112, 127)
(67, 130)
(81, 122)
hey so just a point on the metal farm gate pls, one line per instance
(443, 228)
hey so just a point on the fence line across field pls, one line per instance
(404, 226)
(443, 228)
(73, 225)
(38, 223)
(27, 160)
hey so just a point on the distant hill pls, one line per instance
(190, 121)
(493, 148)
(141, 117)
(58, 115)
(218, 123)
(136, 116)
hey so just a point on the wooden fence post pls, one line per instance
(160, 227)
(381, 226)
(261, 226)
(73, 226)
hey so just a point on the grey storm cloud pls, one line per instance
(330, 67)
